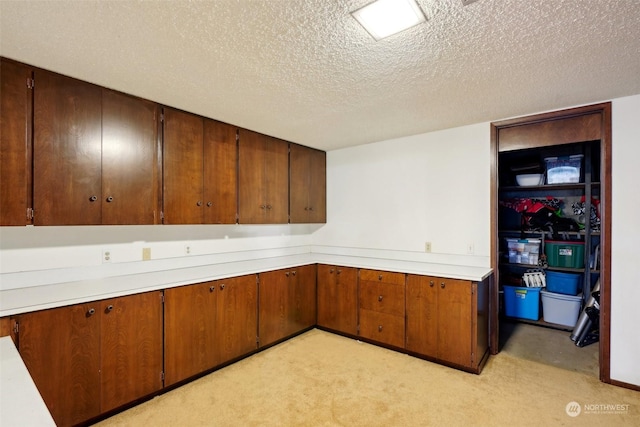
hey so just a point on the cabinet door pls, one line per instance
(307, 185)
(15, 143)
(61, 349)
(263, 174)
(129, 159)
(299, 182)
(274, 306)
(277, 181)
(454, 321)
(189, 331)
(303, 299)
(422, 315)
(131, 348)
(220, 173)
(338, 298)
(236, 317)
(252, 204)
(318, 187)
(183, 168)
(67, 151)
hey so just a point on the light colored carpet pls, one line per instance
(322, 379)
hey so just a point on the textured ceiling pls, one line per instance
(305, 71)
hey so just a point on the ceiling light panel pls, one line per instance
(384, 18)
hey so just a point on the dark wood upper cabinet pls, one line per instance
(67, 151)
(15, 142)
(307, 185)
(130, 170)
(200, 170)
(183, 167)
(263, 174)
(220, 173)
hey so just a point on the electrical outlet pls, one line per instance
(146, 254)
(427, 246)
(470, 249)
(187, 249)
(106, 256)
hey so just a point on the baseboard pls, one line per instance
(625, 385)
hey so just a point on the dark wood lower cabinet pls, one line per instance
(381, 307)
(61, 349)
(338, 298)
(87, 359)
(447, 319)
(208, 324)
(287, 302)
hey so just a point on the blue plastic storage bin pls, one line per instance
(521, 302)
(564, 283)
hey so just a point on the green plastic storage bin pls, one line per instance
(564, 254)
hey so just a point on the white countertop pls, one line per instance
(43, 296)
(20, 401)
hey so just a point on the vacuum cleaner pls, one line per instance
(587, 330)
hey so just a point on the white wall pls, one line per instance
(388, 198)
(392, 197)
(625, 236)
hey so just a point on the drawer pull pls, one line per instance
(339, 271)
(442, 285)
(431, 283)
(91, 312)
(109, 308)
(379, 328)
(379, 297)
(212, 288)
(331, 271)
(209, 204)
(380, 277)
(286, 274)
(222, 287)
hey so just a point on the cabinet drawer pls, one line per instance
(382, 327)
(382, 276)
(382, 297)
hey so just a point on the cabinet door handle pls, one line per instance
(199, 203)
(263, 206)
(310, 208)
(209, 204)
(91, 312)
(268, 206)
(222, 286)
(109, 308)
(286, 274)
(442, 285)
(294, 272)
(212, 288)
(339, 271)
(306, 208)
(380, 277)
(379, 328)
(331, 271)
(93, 198)
(379, 297)
(431, 283)
(109, 199)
